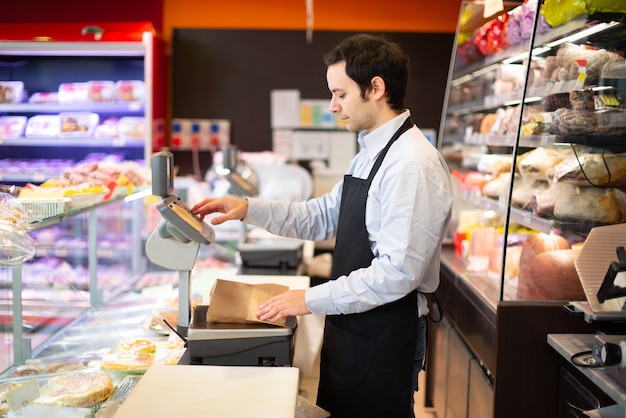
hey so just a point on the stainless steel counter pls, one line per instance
(568, 345)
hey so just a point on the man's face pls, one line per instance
(346, 100)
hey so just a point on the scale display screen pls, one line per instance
(181, 223)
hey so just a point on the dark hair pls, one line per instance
(368, 56)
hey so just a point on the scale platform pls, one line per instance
(222, 344)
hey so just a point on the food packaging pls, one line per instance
(602, 205)
(43, 126)
(107, 129)
(11, 91)
(70, 93)
(78, 124)
(44, 97)
(130, 90)
(588, 167)
(491, 37)
(235, 302)
(132, 127)
(101, 91)
(12, 127)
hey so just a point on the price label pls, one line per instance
(492, 7)
(22, 395)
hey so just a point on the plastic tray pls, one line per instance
(37, 209)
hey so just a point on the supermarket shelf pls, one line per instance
(97, 107)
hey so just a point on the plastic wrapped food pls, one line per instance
(573, 122)
(535, 164)
(131, 127)
(552, 102)
(11, 91)
(130, 90)
(12, 127)
(528, 15)
(604, 205)
(44, 97)
(469, 52)
(513, 26)
(490, 38)
(78, 124)
(582, 99)
(559, 12)
(70, 93)
(81, 389)
(47, 126)
(107, 129)
(569, 57)
(588, 168)
(35, 367)
(16, 246)
(101, 91)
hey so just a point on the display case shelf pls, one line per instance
(514, 113)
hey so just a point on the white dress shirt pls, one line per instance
(408, 209)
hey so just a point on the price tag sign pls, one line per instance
(22, 395)
(492, 7)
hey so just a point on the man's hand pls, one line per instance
(232, 208)
(288, 303)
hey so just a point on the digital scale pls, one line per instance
(174, 245)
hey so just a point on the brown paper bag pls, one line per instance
(236, 302)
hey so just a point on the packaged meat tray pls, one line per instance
(131, 127)
(70, 93)
(44, 98)
(11, 91)
(43, 126)
(12, 127)
(101, 91)
(107, 129)
(130, 90)
(78, 124)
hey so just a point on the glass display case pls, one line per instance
(82, 109)
(534, 125)
(83, 259)
(72, 91)
(533, 131)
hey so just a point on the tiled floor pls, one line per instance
(308, 389)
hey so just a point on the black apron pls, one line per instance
(367, 358)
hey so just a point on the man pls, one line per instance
(389, 216)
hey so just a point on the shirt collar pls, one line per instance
(373, 142)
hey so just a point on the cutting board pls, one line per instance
(190, 391)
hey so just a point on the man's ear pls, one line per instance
(378, 87)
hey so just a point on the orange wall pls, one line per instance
(435, 16)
